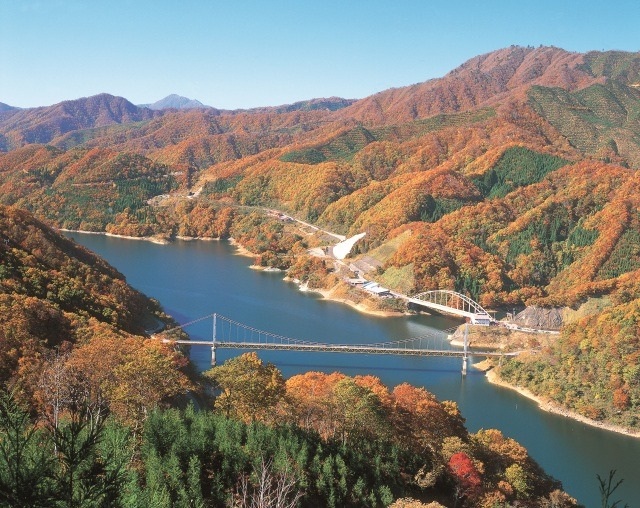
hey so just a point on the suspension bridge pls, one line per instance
(229, 334)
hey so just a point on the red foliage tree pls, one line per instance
(465, 474)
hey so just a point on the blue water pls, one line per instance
(195, 279)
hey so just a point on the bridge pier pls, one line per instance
(213, 340)
(465, 357)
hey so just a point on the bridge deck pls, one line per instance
(343, 348)
(442, 308)
(451, 302)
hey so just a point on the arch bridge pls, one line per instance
(452, 302)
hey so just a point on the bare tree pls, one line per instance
(269, 489)
(607, 488)
(54, 386)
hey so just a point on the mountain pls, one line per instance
(512, 179)
(174, 101)
(5, 107)
(499, 144)
(54, 291)
(482, 81)
(330, 104)
(43, 124)
(5, 112)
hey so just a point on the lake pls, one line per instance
(192, 279)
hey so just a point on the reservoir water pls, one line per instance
(195, 279)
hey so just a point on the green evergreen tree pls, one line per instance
(84, 477)
(194, 488)
(26, 459)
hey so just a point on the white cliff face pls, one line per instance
(341, 250)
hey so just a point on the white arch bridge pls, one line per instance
(229, 334)
(451, 302)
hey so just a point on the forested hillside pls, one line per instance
(89, 410)
(72, 329)
(314, 440)
(513, 179)
(594, 367)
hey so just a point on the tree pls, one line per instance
(26, 459)
(421, 420)
(87, 475)
(194, 488)
(268, 488)
(55, 385)
(519, 479)
(464, 472)
(250, 390)
(94, 364)
(509, 449)
(408, 502)
(374, 384)
(311, 405)
(359, 411)
(452, 445)
(607, 488)
(147, 379)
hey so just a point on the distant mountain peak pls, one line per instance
(482, 81)
(44, 124)
(175, 101)
(5, 107)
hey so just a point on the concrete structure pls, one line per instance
(342, 250)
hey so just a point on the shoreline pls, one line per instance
(490, 375)
(243, 251)
(159, 240)
(327, 295)
(551, 407)
(153, 239)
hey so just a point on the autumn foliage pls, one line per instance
(513, 179)
(593, 367)
(511, 194)
(432, 445)
(72, 326)
(465, 474)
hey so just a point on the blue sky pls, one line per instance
(239, 53)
